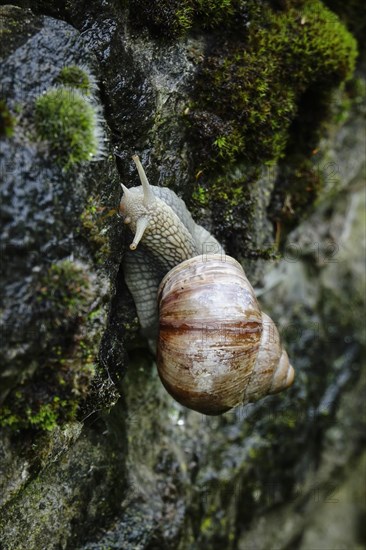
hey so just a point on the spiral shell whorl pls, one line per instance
(216, 349)
(272, 371)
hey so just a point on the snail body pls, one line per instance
(215, 348)
(165, 234)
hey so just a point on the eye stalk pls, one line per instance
(141, 225)
(149, 197)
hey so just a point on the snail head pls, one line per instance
(137, 205)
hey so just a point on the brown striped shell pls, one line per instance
(216, 349)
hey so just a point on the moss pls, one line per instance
(70, 124)
(6, 121)
(93, 220)
(64, 361)
(201, 196)
(252, 86)
(354, 16)
(262, 97)
(229, 197)
(229, 194)
(206, 525)
(172, 19)
(16, 27)
(64, 288)
(51, 399)
(45, 417)
(75, 77)
(168, 18)
(213, 13)
(228, 146)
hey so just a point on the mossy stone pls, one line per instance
(75, 77)
(69, 123)
(16, 27)
(6, 121)
(252, 87)
(169, 18)
(65, 363)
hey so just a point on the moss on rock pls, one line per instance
(354, 16)
(64, 290)
(262, 97)
(264, 83)
(94, 228)
(170, 18)
(252, 86)
(75, 77)
(6, 121)
(69, 123)
(212, 13)
(16, 27)
(64, 364)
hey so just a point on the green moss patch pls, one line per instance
(94, 227)
(248, 91)
(174, 18)
(16, 27)
(213, 13)
(353, 13)
(63, 292)
(170, 17)
(262, 95)
(64, 360)
(69, 123)
(75, 77)
(6, 121)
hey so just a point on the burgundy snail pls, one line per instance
(215, 348)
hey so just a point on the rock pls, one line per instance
(225, 106)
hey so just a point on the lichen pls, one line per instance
(69, 123)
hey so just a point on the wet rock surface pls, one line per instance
(93, 452)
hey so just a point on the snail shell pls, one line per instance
(216, 349)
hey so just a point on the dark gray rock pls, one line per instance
(83, 465)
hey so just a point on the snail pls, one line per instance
(215, 348)
(168, 235)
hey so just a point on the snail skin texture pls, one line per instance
(216, 349)
(166, 235)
